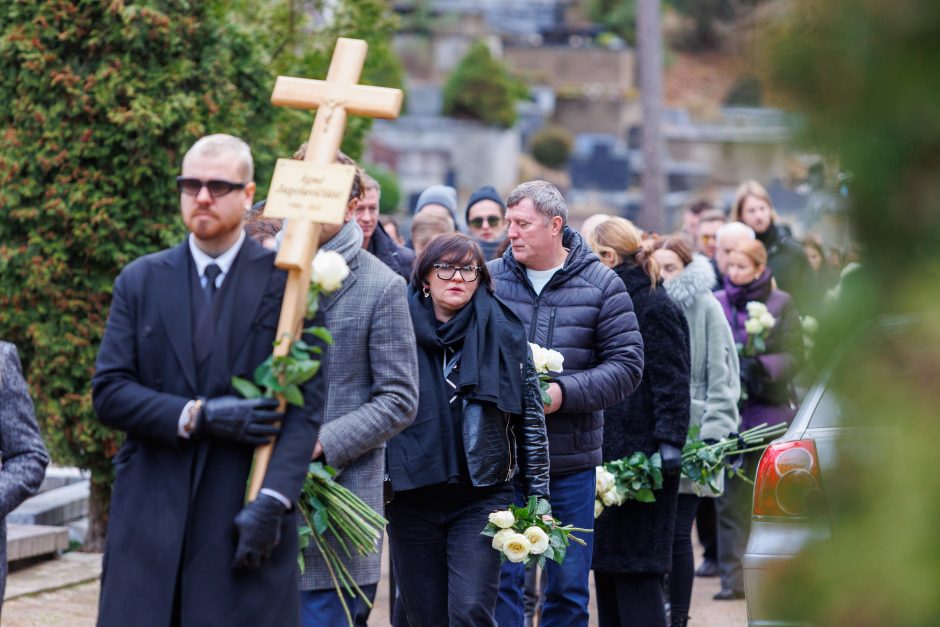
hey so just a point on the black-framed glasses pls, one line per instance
(216, 187)
(445, 272)
(493, 221)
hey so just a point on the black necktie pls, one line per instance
(211, 273)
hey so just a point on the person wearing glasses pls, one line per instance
(183, 547)
(480, 422)
(486, 220)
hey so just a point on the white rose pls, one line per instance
(753, 326)
(329, 270)
(768, 320)
(540, 357)
(503, 519)
(611, 497)
(537, 538)
(500, 538)
(516, 547)
(555, 361)
(604, 480)
(810, 325)
(598, 508)
(756, 308)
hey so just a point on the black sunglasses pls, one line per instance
(445, 272)
(216, 187)
(493, 221)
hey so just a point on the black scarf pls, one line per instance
(488, 370)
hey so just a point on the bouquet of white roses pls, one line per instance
(530, 534)
(631, 478)
(758, 325)
(546, 361)
(810, 326)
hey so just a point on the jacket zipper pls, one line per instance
(509, 445)
(535, 318)
(551, 327)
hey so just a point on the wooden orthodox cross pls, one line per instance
(334, 98)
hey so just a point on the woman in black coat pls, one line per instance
(480, 420)
(633, 541)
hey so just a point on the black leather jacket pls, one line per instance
(498, 444)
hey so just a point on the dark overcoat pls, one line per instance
(171, 530)
(636, 538)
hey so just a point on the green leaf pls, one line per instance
(320, 522)
(531, 506)
(245, 387)
(322, 333)
(293, 396)
(543, 508)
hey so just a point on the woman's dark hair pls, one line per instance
(450, 248)
(676, 245)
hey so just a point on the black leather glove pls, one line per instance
(259, 531)
(671, 458)
(239, 419)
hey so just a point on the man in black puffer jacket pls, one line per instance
(570, 302)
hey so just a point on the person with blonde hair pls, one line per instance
(753, 206)
(633, 542)
(766, 390)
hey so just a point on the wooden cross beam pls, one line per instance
(335, 98)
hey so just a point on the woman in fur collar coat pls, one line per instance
(715, 390)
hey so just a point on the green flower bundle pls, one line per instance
(704, 463)
(530, 534)
(631, 478)
(546, 361)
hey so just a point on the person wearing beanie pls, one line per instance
(486, 221)
(439, 200)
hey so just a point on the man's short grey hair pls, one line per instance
(734, 228)
(369, 182)
(547, 199)
(222, 144)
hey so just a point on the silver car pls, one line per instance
(795, 507)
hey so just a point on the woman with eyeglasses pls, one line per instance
(480, 421)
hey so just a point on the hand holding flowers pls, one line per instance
(530, 534)
(758, 325)
(546, 361)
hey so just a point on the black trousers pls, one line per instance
(706, 522)
(446, 572)
(629, 600)
(682, 575)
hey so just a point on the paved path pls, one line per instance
(64, 592)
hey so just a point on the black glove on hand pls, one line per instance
(671, 458)
(240, 419)
(259, 531)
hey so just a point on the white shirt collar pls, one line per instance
(224, 261)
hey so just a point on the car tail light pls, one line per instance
(788, 481)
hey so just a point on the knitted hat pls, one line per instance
(443, 195)
(484, 193)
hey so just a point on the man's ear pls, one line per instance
(558, 224)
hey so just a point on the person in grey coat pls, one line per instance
(372, 394)
(24, 454)
(715, 390)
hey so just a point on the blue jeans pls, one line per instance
(566, 591)
(321, 608)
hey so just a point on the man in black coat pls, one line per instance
(570, 302)
(183, 547)
(374, 237)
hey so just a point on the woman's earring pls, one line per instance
(426, 292)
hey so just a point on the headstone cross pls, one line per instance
(335, 98)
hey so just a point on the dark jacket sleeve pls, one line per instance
(619, 357)
(119, 399)
(785, 342)
(532, 435)
(24, 454)
(667, 371)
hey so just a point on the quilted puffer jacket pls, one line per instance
(586, 314)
